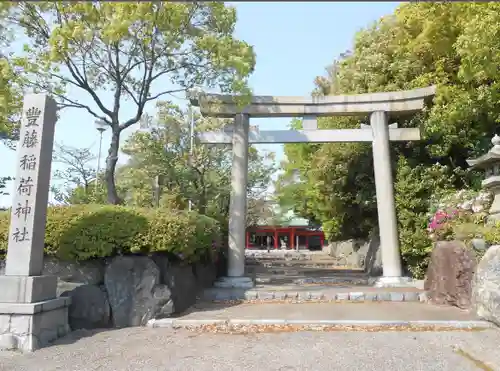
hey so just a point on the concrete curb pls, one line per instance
(354, 296)
(180, 323)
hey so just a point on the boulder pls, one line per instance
(88, 272)
(205, 274)
(479, 244)
(354, 260)
(486, 286)
(346, 248)
(330, 248)
(181, 281)
(372, 257)
(134, 291)
(89, 308)
(450, 273)
(183, 284)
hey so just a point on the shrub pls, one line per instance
(4, 232)
(82, 232)
(187, 235)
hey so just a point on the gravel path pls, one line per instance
(165, 349)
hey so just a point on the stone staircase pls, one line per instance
(307, 276)
(292, 267)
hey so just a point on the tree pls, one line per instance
(78, 171)
(136, 51)
(201, 175)
(448, 44)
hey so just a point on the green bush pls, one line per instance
(4, 232)
(82, 232)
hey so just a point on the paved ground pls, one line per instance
(383, 311)
(163, 349)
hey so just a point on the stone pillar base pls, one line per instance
(27, 289)
(234, 282)
(394, 282)
(31, 326)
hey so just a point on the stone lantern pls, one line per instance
(490, 164)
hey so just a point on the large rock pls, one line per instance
(135, 292)
(205, 274)
(372, 256)
(346, 248)
(181, 281)
(88, 272)
(450, 273)
(486, 286)
(89, 308)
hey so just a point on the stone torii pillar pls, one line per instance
(377, 106)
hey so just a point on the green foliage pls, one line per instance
(10, 99)
(82, 232)
(201, 174)
(187, 235)
(135, 51)
(446, 44)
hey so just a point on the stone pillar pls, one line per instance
(28, 301)
(384, 185)
(238, 207)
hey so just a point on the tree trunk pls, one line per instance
(111, 161)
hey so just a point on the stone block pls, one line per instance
(27, 289)
(450, 273)
(384, 296)
(371, 296)
(397, 296)
(486, 286)
(356, 296)
(263, 295)
(250, 295)
(8, 342)
(304, 295)
(29, 327)
(20, 324)
(412, 296)
(342, 296)
(317, 296)
(280, 295)
(4, 323)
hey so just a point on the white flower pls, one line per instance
(467, 205)
(476, 208)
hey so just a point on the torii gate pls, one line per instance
(378, 106)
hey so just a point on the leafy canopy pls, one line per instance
(453, 45)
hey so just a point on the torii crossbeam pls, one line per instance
(378, 106)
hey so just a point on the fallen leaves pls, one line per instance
(260, 329)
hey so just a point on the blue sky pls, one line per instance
(294, 42)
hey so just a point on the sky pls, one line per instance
(294, 42)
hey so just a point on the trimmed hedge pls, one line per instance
(83, 232)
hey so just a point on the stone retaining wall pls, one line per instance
(126, 290)
(358, 254)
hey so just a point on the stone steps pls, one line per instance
(314, 293)
(305, 264)
(306, 269)
(305, 280)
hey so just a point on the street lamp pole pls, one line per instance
(191, 143)
(101, 128)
